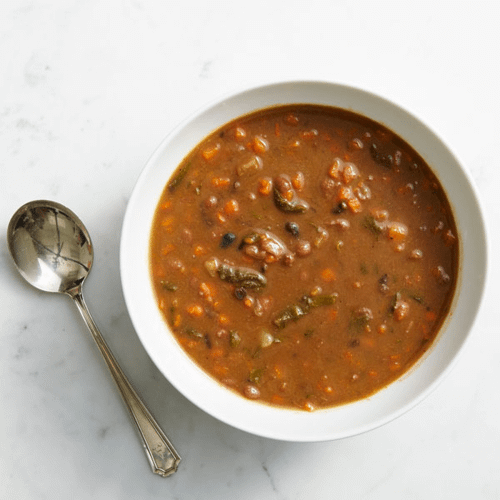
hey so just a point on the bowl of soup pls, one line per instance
(303, 261)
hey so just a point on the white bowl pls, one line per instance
(257, 418)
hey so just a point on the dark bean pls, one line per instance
(227, 239)
(240, 293)
(339, 208)
(354, 343)
(384, 159)
(292, 228)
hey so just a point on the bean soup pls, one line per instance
(304, 256)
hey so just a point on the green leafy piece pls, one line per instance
(243, 276)
(234, 338)
(293, 312)
(178, 177)
(255, 375)
(295, 205)
(193, 332)
(168, 285)
(372, 225)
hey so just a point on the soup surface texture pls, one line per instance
(304, 256)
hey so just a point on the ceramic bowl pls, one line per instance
(254, 417)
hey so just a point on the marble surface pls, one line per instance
(87, 92)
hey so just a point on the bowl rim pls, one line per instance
(299, 420)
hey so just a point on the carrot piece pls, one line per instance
(349, 173)
(354, 205)
(298, 181)
(216, 352)
(397, 231)
(328, 275)
(220, 182)
(265, 186)
(223, 319)
(221, 370)
(277, 400)
(333, 314)
(430, 316)
(221, 219)
(167, 249)
(207, 291)
(308, 406)
(260, 145)
(240, 133)
(211, 152)
(231, 207)
(177, 321)
(277, 130)
(195, 310)
(335, 169)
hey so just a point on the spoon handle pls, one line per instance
(162, 456)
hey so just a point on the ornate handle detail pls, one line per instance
(162, 456)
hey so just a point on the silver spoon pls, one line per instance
(52, 250)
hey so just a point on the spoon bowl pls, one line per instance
(52, 250)
(50, 246)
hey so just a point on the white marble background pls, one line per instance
(88, 88)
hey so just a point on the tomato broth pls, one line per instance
(304, 256)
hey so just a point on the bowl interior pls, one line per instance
(254, 417)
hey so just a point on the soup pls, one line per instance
(304, 256)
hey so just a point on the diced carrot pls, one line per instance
(382, 329)
(349, 173)
(224, 319)
(308, 406)
(207, 291)
(167, 221)
(395, 366)
(221, 370)
(298, 181)
(231, 207)
(397, 231)
(277, 399)
(248, 302)
(216, 352)
(277, 130)
(430, 316)
(166, 249)
(260, 145)
(221, 219)
(195, 310)
(166, 205)
(220, 182)
(199, 250)
(240, 133)
(333, 314)
(354, 205)
(265, 186)
(335, 169)
(348, 355)
(288, 195)
(291, 119)
(328, 275)
(188, 343)
(345, 193)
(211, 152)
(177, 320)
(372, 373)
